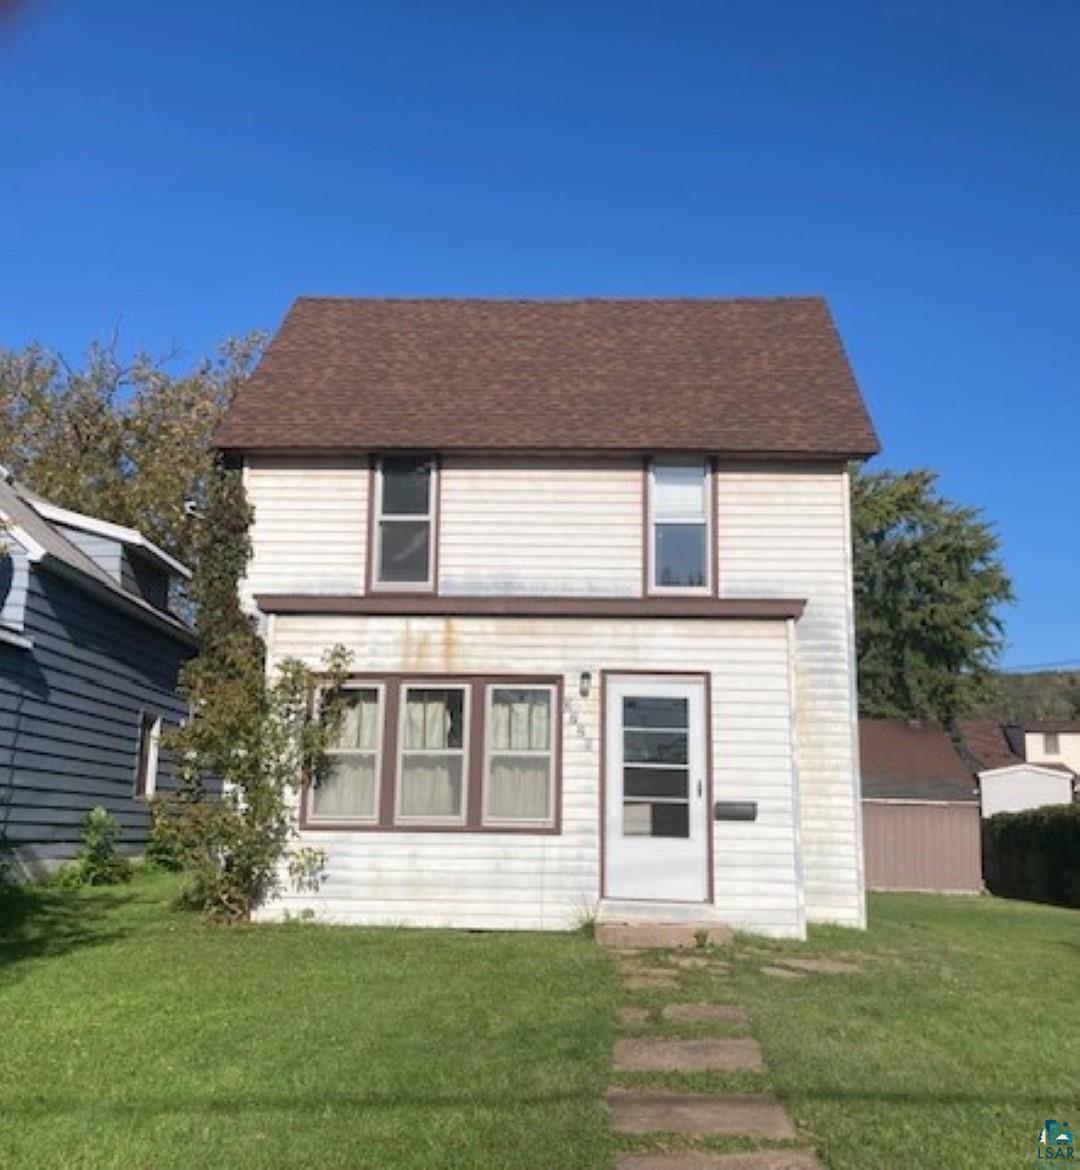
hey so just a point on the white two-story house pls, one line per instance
(592, 561)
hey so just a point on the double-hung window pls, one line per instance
(146, 761)
(349, 791)
(443, 752)
(433, 767)
(680, 527)
(404, 536)
(519, 781)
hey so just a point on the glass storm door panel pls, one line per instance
(656, 826)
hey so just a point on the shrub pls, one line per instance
(99, 863)
(258, 737)
(1035, 854)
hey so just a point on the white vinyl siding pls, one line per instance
(527, 881)
(560, 526)
(784, 532)
(310, 528)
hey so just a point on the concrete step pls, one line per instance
(699, 1114)
(649, 1054)
(642, 936)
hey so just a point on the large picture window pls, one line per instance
(350, 789)
(520, 767)
(460, 754)
(404, 537)
(680, 530)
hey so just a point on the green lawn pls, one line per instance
(134, 1036)
(959, 1039)
(137, 1037)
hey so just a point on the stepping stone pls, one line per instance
(694, 1160)
(822, 966)
(706, 1013)
(738, 1054)
(693, 962)
(782, 973)
(651, 980)
(699, 1114)
(632, 1015)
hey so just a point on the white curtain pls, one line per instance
(360, 720)
(348, 789)
(519, 785)
(433, 719)
(520, 788)
(431, 786)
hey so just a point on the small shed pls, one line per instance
(1009, 780)
(920, 802)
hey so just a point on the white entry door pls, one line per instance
(655, 844)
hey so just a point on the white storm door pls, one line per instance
(656, 824)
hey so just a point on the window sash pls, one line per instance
(382, 517)
(149, 751)
(347, 753)
(493, 755)
(419, 753)
(684, 515)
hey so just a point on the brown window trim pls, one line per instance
(648, 589)
(475, 756)
(371, 585)
(524, 606)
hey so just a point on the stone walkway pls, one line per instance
(647, 1046)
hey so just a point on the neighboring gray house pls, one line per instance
(89, 659)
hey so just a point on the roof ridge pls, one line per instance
(511, 299)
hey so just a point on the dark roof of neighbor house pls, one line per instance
(1067, 725)
(741, 376)
(991, 744)
(911, 761)
(19, 510)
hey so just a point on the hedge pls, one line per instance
(1034, 854)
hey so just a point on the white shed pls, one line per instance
(1023, 786)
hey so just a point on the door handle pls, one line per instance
(699, 789)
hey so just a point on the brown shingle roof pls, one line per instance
(911, 761)
(750, 376)
(988, 744)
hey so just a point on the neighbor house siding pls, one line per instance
(70, 709)
(784, 532)
(310, 525)
(565, 526)
(533, 881)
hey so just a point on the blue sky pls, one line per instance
(187, 169)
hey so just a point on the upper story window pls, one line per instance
(680, 526)
(1051, 743)
(404, 537)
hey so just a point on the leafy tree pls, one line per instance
(258, 737)
(130, 443)
(928, 584)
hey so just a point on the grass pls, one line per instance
(135, 1036)
(956, 1041)
(951, 1041)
